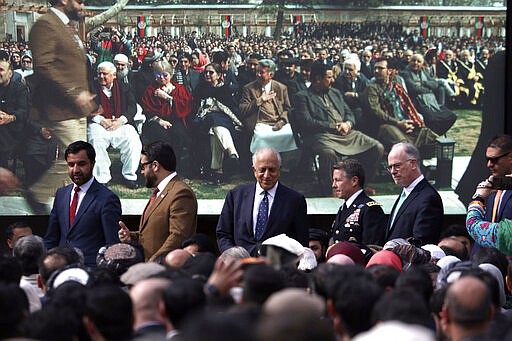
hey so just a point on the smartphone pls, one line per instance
(502, 183)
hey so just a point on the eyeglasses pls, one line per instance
(495, 159)
(162, 75)
(397, 165)
(144, 164)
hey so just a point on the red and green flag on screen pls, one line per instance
(225, 24)
(424, 26)
(141, 26)
(479, 27)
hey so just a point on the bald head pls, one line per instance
(146, 296)
(468, 302)
(176, 258)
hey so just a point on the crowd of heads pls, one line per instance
(289, 292)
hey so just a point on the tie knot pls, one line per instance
(155, 192)
(77, 189)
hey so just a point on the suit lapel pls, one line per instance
(157, 202)
(86, 202)
(410, 198)
(65, 203)
(247, 207)
(504, 202)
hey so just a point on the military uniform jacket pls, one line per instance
(364, 221)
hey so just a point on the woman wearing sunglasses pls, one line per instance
(167, 105)
(217, 118)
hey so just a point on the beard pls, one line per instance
(122, 74)
(151, 180)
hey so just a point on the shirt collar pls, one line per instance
(268, 87)
(271, 192)
(413, 184)
(166, 181)
(353, 197)
(62, 16)
(85, 187)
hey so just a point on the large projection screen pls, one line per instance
(471, 28)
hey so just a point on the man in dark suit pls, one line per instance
(367, 64)
(499, 162)
(61, 96)
(418, 212)
(112, 127)
(85, 214)
(327, 125)
(428, 96)
(170, 216)
(253, 213)
(352, 84)
(360, 218)
(185, 74)
(146, 295)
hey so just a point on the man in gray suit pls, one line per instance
(327, 125)
(61, 96)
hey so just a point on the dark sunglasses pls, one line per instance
(495, 159)
(160, 75)
(144, 164)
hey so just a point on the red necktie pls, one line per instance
(74, 204)
(151, 199)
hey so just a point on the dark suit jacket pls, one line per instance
(60, 69)
(345, 85)
(505, 210)
(312, 114)
(95, 225)
(170, 220)
(14, 100)
(153, 332)
(420, 216)
(191, 80)
(288, 215)
(368, 70)
(364, 221)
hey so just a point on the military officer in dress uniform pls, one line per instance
(360, 218)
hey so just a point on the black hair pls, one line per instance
(404, 305)
(162, 152)
(9, 231)
(77, 146)
(319, 70)
(220, 56)
(261, 281)
(183, 298)
(110, 309)
(353, 299)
